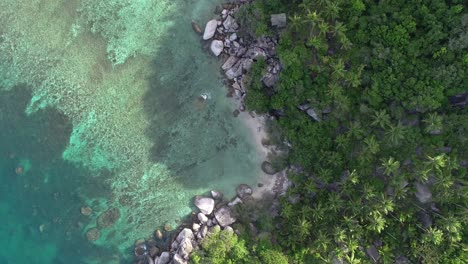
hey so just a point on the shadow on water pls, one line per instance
(40, 194)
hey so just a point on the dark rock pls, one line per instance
(268, 168)
(243, 190)
(304, 107)
(270, 80)
(236, 113)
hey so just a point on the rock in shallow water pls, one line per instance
(108, 218)
(205, 204)
(210, 29)
(93, 234)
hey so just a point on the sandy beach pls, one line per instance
(256, 126)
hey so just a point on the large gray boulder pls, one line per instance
(217, 47)
(224, 216)
(279, 20)
(210, 29)
(205, 204)
(164, 258)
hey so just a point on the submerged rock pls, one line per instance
(205, 204)
(210, 29)
(86, 210)
(93, 234)
(108, 218)
(196, 27)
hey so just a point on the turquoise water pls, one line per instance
(99, 107)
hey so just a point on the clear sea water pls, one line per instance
(99, 107)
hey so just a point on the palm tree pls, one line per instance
(296, 22)
(339, 30)
(331, 10)
(324, 28)
(391, 166)
(433, 123)
(335, 203)
(372, 145)
(302, 228)
(381, 118)
(386, 204)
(338, 68)
(396, 134)
(355, 130)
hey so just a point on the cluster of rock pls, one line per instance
(214, 214)
(240, 54)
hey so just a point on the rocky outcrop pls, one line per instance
(240, 54)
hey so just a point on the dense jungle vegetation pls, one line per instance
(381, 178)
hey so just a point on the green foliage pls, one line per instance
(257, 97)
(385, 69)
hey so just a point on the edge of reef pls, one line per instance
(215, 212)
